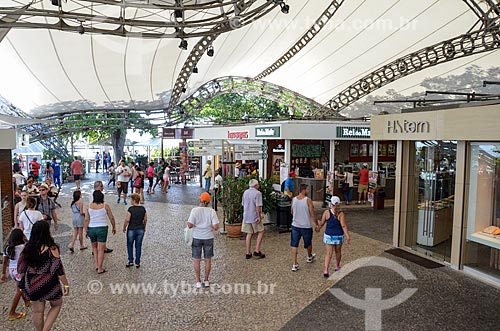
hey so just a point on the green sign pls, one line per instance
(268, 132)
(353, 132)
(306, 150)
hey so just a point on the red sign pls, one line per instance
(237, 135)
(168, 133)
(184, 133)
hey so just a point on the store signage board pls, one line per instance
(238, 135)
(202, 152)
(251, 156)
(204, 143)
(250, 148)
(353, 132)
(299, 150)
(268, 132)
(172, 133)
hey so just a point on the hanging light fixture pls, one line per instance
(210, 51)
(184, 44)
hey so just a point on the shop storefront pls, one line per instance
(447, 204)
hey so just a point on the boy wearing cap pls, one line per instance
(336, 233)
(204, 221)
(289, 187)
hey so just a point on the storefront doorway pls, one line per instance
(431, 198)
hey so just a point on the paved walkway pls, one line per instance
(166, 266)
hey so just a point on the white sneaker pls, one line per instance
(198, 284)
(295, 267)
(206, 283)
(311, 258)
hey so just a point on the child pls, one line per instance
(77, 218)
(134, 227)
(11, 253)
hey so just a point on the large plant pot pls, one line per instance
(233, 230)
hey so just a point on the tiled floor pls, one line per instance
(167, 264)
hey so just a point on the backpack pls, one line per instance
(138, 182)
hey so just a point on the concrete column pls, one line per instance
(375, 156)
(7, 202)
(288, 152)
(460, 206)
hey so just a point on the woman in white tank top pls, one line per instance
(96, 227)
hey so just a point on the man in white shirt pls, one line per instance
(252, 218)
(204, 221)
(123, 172)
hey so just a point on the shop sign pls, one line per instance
(279, 149)
(168, 133)
(237, 134)
(268, 132)
(172, 133)
(353, 132)
(250, 148)
(406, 126)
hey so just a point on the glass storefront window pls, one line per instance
(483, 215)
(431, 198)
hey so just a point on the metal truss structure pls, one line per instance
(483, 39)
(295, 102)
(51, 142)
(136, 18)
(304, 40)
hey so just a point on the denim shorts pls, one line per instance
(98, 234)
(207, 245)
(297, 233)
(333, 240)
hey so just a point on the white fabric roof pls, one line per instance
(47, 71)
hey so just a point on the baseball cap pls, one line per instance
(205, 197)
(334, 200)
(292, 174)
(365, 164)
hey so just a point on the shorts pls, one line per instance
(362, 188)
(76, 177)
(252, 227)
(123, 188)
(297, 233)
(98, 234)
(207, 245)
(333, 240)
(14, 275)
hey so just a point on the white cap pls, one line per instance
(365, 164)
(334, 200)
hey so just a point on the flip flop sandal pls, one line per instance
(17, 316)
(103, 271)
(27, 304)
(82, 248)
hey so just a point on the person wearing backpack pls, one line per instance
(151, 175)
(139, 183)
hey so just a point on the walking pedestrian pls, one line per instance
(217, 187)
(11, 254)
(95, 227)
(166, 178)
(78, 216)
(34, 169)
(139, 183)
(44, 278)
(159, 174)
(132, 176)
(252, 218)
(204, 221)
(208, 175)
(303, 217)
(47, 206)
(336, 233)
(347, 186)
(77, 171)
(99, 186)
(123, 172)
(29, 217)
(20, 207)
(56, 175)
(112, 174)
(105, 161)
(97, 162)
(151, 175)
(48, 171)
(135, 227)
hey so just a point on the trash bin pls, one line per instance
(379, 197)
(283, 212)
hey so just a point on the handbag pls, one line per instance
(188, 236)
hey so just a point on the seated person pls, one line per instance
(30, 187)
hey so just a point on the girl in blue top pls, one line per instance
(336, 233)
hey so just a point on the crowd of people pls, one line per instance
(33, 258)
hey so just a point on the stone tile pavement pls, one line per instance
(166, 263)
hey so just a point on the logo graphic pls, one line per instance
(373, 304)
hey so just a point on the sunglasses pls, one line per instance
(43, 189)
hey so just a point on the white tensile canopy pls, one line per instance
(45, 71)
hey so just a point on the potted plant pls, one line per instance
(231, 193)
